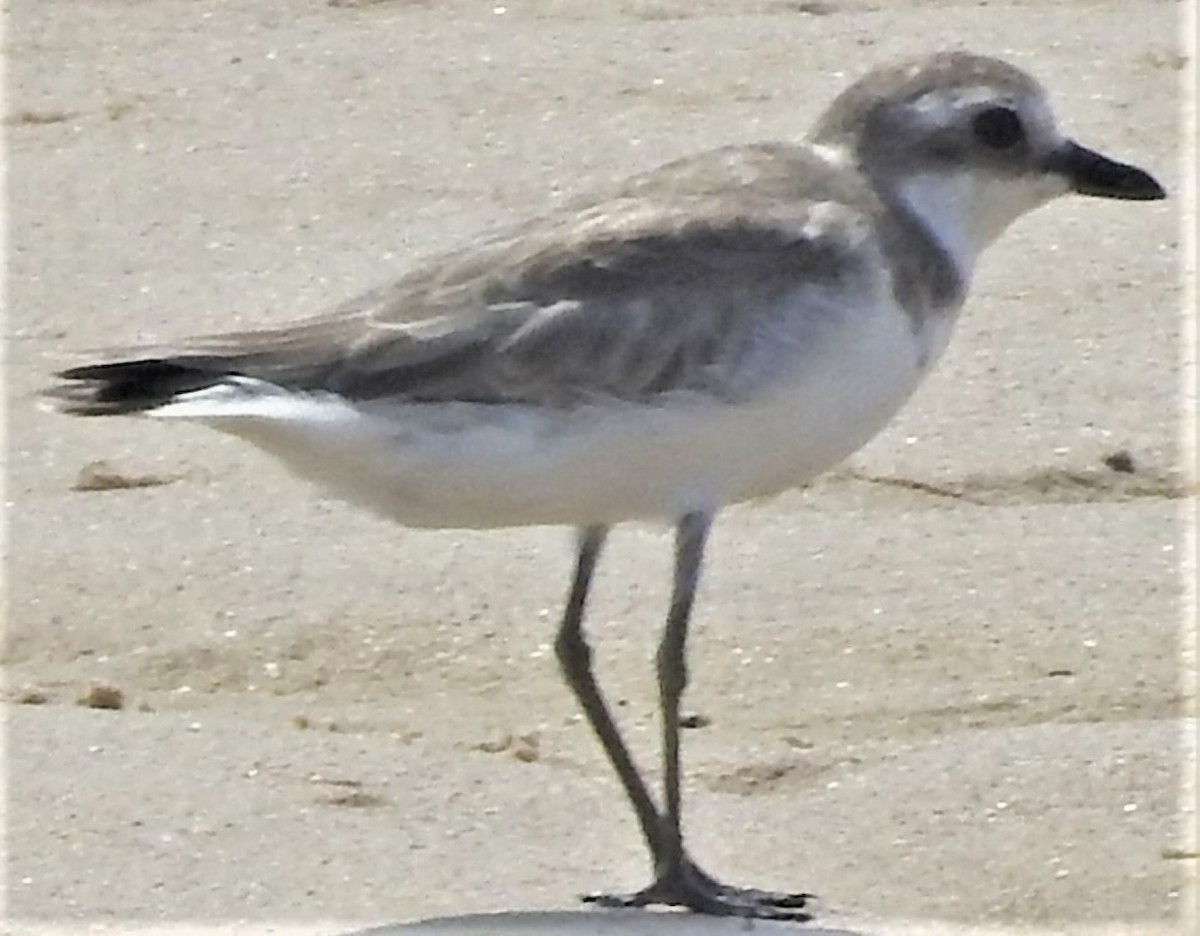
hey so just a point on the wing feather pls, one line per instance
(660, 289)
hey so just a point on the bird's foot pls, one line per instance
(689, 886)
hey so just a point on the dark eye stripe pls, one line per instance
(998, 128)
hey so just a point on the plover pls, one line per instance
(719, 329)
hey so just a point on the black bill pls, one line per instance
(1092, 174)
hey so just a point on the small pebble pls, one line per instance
(1120, 461)
(101, 696)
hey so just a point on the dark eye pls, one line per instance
(998, 128)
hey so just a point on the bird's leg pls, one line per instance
(678, 880)
(575, 658)
(690, 536)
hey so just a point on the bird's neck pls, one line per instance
(952, 208)
(929, 276)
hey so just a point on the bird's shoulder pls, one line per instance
(715, 220)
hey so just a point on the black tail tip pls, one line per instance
(124, 387)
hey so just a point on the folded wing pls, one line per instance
(636, 297)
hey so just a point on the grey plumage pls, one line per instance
(657, 289)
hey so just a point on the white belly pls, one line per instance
(481, 465)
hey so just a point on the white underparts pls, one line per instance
(461, 464)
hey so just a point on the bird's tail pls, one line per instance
(135, 386)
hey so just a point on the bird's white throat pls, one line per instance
(966, 211)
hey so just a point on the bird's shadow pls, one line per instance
(589, 923)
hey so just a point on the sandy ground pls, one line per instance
(944, 684)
